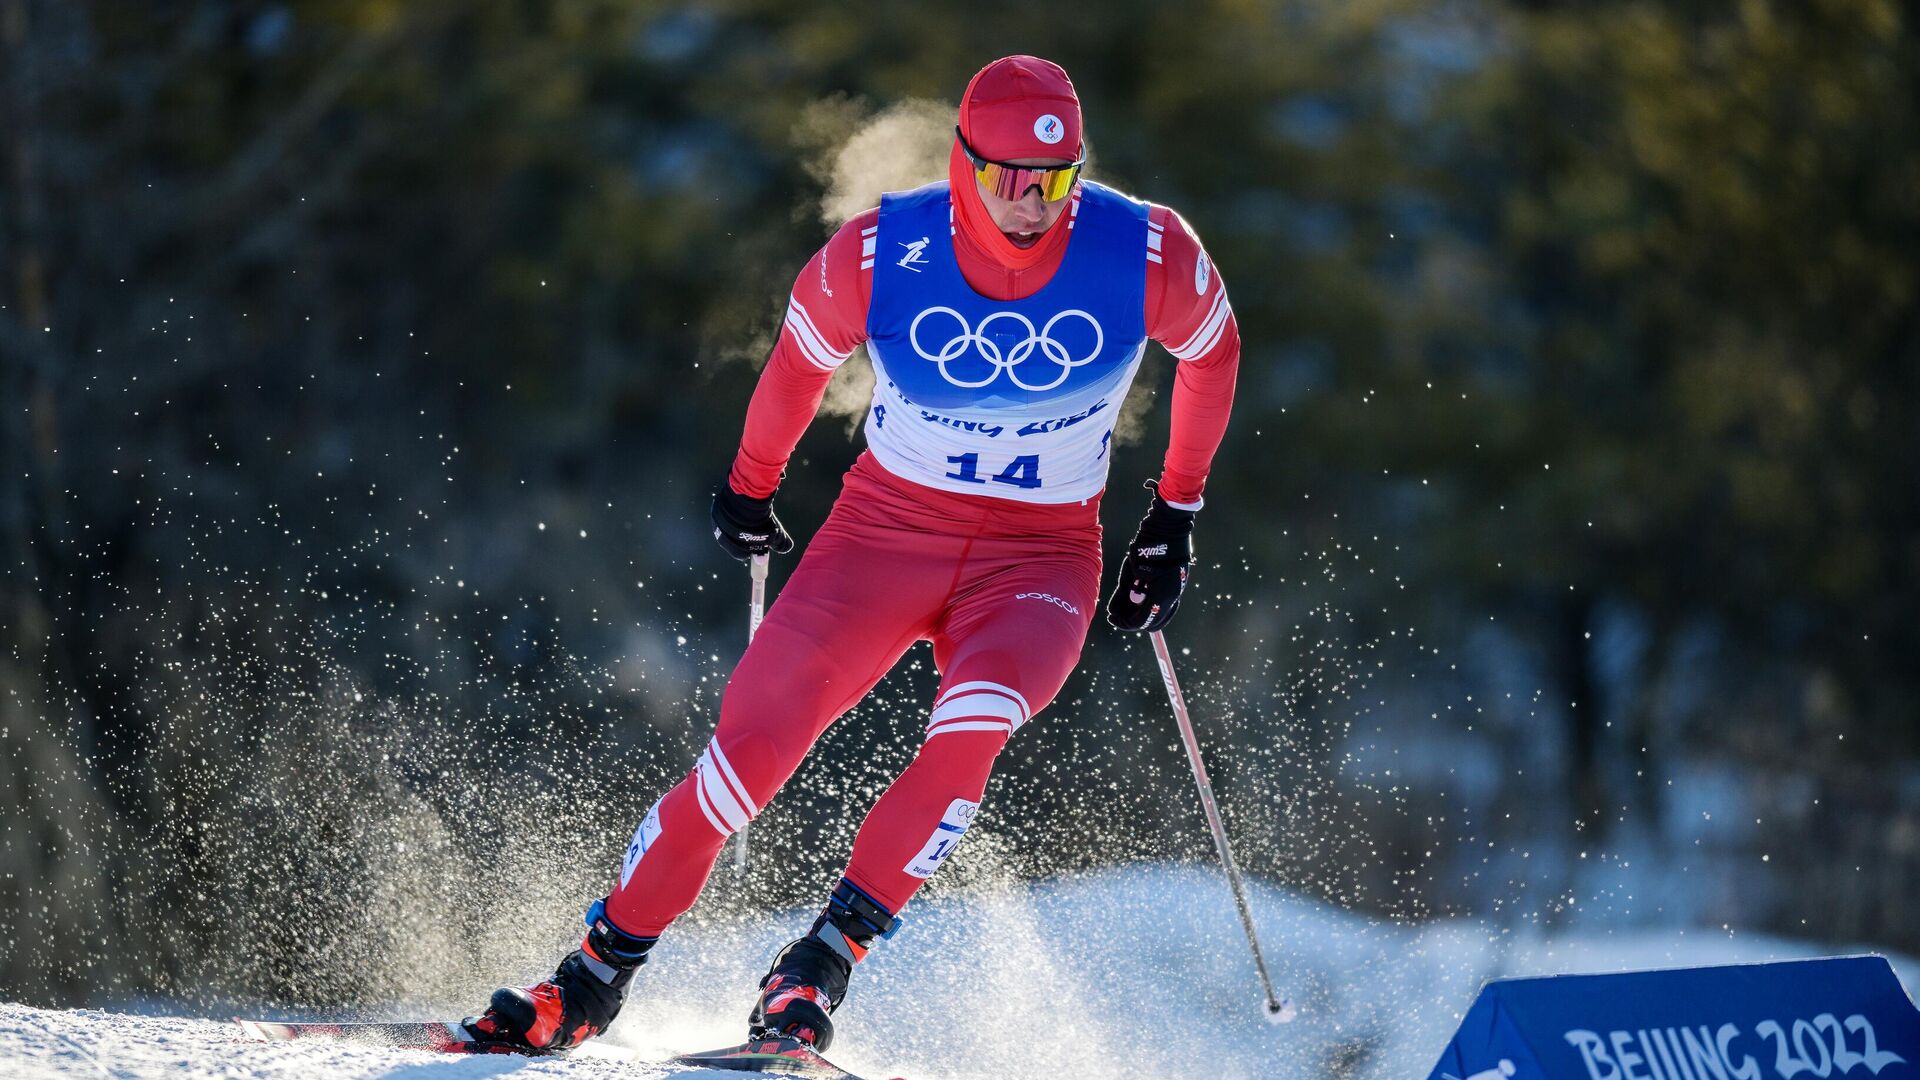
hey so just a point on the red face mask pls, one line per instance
(1018, 107)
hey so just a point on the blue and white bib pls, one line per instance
(1015, 399)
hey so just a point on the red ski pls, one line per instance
(778, 1057)
(415, 1035)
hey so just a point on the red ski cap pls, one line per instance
(1021, 107)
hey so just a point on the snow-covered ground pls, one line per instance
(1132, 973)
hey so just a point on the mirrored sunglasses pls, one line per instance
(1011, 182)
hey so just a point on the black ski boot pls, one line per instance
(808, 979)
(577, 1003)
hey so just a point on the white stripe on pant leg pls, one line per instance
(734, 785)
(700, 796)
(976, 685)
(723, 800)
(980, 705)
(715, 786)
(969, 725)
(1026, 711)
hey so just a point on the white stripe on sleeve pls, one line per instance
(808, 338)
(1209, 333)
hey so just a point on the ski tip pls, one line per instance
(440, 1035)
(261, 1031)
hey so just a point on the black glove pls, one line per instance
(745, 526)
(1155, 569)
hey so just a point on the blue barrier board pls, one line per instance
(1839, 1017)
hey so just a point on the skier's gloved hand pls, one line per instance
(1155, 569)
(745, 526)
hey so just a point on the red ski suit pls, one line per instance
(1005, 590)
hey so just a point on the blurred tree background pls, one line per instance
(366, 366)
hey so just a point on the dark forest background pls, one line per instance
(365, 367)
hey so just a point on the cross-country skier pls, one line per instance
(1005, 311)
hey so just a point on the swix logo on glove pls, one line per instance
(1155, 549)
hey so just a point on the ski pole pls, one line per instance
(1279, 1010)
(757, 606)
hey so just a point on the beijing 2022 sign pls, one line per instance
(1792, 1020)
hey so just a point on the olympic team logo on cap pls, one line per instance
(1006, 341)
(1048, 129)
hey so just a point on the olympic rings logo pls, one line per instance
(1042, 341)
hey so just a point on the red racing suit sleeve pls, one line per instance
(826, 320)
(1188, 312)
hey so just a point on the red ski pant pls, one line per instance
(1004, 590)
